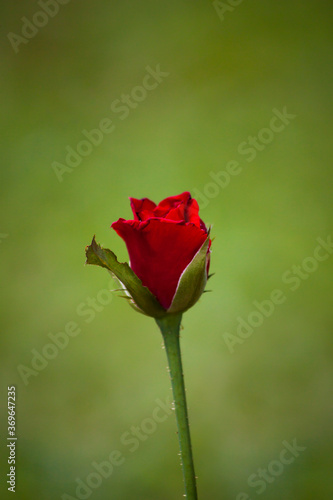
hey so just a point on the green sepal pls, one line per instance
(192, 282)
(142, 298)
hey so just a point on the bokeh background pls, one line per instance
(227, 72)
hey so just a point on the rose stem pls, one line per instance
(169, 326)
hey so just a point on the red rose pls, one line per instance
(162, 241)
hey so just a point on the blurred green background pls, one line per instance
(227, 72)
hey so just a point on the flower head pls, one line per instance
(169, 250)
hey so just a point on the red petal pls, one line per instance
(192, 213)
(159, 251)
(208, 258)
(142, 209)
(170, 203)
(173, 201)
(176, 214)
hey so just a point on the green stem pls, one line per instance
(169, 326)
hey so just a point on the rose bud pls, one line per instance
(169, 250)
